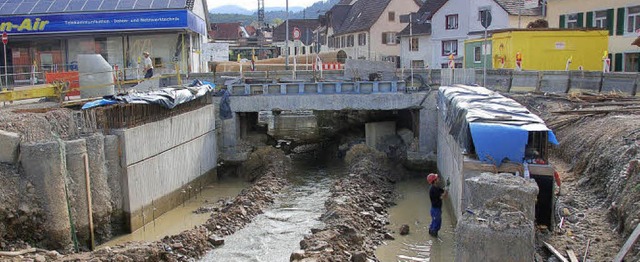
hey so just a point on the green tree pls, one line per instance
(277, 21)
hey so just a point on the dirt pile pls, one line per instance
(598, 160)
(226, 218)
(356, 212)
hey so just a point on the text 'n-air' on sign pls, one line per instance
(97, 22)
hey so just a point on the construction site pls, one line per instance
(319, 165)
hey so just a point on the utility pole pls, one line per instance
(286, 41)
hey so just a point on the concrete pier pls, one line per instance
(100, 191)
(75, 151)
(44, 166)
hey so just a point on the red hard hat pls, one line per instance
(431, 178)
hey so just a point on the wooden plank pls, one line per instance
(627, 245)
(572, 255)
(555, 252)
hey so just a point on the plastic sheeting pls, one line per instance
(497, 143)
(494, 126)
(167, 97)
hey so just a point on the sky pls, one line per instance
(253, 4)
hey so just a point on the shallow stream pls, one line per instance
(274, 235)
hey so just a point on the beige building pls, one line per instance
(368, 29)
(620, 17)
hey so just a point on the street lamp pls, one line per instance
(286, 41)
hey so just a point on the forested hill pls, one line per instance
(273, 16)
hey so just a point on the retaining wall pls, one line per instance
(162, 161)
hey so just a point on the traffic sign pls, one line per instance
(296, 33)
(5, 38)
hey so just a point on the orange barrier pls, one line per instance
(331, 66)
(71, 76)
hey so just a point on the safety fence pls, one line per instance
(545, 81)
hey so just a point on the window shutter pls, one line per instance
(562, 21)
(589, 20)
(620, 22)
(581, 20)
(610, 17)
(384, 38)
(618, 62)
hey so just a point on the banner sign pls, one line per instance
(101, 22)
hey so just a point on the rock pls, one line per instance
(9, 144)
(216, 240)
(297, 255)
(177, 245)
(566, 212)
(388, 236)
(377, 207)
(315, 230)
(404, 230)
(359, 257)
(40, 258)
(573, 219)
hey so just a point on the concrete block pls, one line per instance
(375, 131)
(514, 191)
(9, 145)
(494, 238)
(96, 77)
(43, 167)
(100, 191)
(500, 213)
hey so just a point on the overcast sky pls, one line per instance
(253, 4)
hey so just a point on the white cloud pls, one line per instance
(253, 4)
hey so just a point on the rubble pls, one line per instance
(356, 211)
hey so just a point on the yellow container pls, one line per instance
(550, 49)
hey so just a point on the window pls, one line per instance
(572, 21)
(414, 44)
(343, 41)
(362, 39)
(632, 62)
(350, 40)
(452, 22)
(392, 16)
(477, 54)
(633, 19)
(449, 47)
(417, 63)
(600, 19)
(389, 38)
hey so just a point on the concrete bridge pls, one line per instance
(330, 96)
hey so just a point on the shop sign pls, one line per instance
(100, 22)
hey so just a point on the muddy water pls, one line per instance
(274, 235)
(413, 209)
(182, 217)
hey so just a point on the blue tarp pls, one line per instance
(498, 143)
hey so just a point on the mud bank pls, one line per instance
(356, 212)
(226, 218)
(598, 161)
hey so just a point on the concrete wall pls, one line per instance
(162, 158)
(450, 165)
